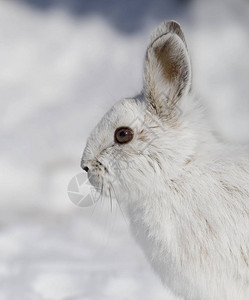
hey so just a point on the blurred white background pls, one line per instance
(63, 64)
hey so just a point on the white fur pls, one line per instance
(186, 193)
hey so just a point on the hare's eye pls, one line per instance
(123, 135)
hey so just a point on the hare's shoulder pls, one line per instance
(219, 183)
(232, 167)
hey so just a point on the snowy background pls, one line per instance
(62, 65)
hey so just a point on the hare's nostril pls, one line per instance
(85, 169)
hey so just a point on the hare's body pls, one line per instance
(195, 230)
(185, 192)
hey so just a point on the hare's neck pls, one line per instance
(152, 224)
(151, 221)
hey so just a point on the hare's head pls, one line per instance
(146, 140)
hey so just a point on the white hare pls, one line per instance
(185, 192)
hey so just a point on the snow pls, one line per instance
(60, 72)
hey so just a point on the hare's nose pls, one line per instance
(85, 169)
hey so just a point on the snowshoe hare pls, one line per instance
(184, 191)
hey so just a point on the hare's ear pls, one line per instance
(167, 74)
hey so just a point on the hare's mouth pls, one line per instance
(97, 176)
(94, 179)
(101, 177)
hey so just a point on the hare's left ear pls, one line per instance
(167, 74)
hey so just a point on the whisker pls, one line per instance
(94, 207)
(119, 203)
(96, 202)
(101, 191)
(110, 194)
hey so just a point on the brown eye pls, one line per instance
(123, 135)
